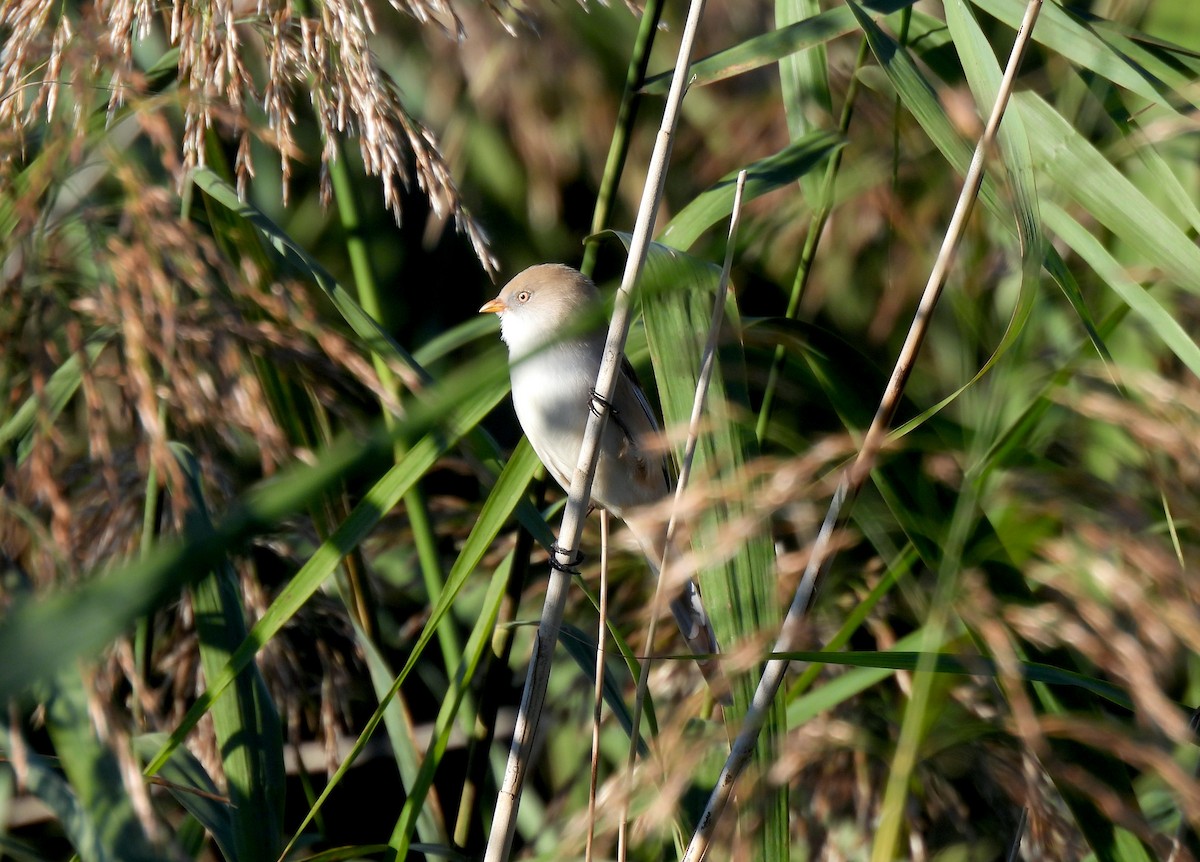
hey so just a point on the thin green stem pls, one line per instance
(365, 283)
(424, 536)
(143, 635)
(815, 228)
(471, 823)
(425, 540)
(639, 61)
(916, 724)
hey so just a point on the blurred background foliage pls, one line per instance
(219, 474)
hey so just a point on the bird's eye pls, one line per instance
(523, 296)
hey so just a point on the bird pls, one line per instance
(553, 367)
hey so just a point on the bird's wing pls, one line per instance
(631, 378)
(640, 431)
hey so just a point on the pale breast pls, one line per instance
(551, 392)
(550, 395)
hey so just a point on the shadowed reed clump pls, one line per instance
(154, 322)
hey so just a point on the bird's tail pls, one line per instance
(687, 605)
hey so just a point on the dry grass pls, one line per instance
(242, 70)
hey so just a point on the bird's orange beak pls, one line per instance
(493, 306)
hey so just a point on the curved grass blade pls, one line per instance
(772, 47)
(1139, 300)
(1062, 32)
(1066, 282)
(984, 75)
(1081, 171)
(918, 96)
(1155, 59)
(17, 433)
(966, 665)
(831, 365)
(112, 830)
(776, 171)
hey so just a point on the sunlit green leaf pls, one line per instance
(1058, 29)
(1081, 171)
(1162, 323)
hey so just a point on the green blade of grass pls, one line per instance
(581, 647)
(1066, 34)
(678, 292)
(376, 503)
(804, 84)
(499, 506)
(776, 171)
(770, 47)
(46, 634)
(44, 781)
(984, 74)
(918, 96)
(400, 735)
(833, 692)
(246, 723)
(477, 644)
(1139, 300)
(18, 431)
(110, 829)
(1081, 171)
(618, 148)
(193, 789)
(365, 327)
(965, 665)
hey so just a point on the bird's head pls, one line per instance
(541, 304)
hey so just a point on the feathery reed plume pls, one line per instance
(240, 68)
